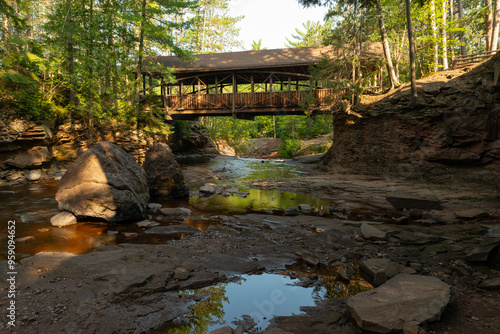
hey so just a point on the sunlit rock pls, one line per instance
(105, 183)
(63, 219)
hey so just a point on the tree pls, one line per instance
(213, 30)
(412, 54)
(496, 26)
(385, 42)
(257, 45)
(488, 22)
(313, 35)
(383, 35)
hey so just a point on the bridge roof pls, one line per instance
(296, 60)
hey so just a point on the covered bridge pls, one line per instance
(247, 83)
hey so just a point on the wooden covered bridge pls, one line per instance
(244, 84)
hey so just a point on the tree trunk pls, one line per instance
(435, 46)
(444, 37)
(387, 52)
(463, 49)
(141, 52)
(71, 57)
(412, 54)
(203, 33)
(488, 22)
(496, 26)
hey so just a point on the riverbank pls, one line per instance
(128, 287)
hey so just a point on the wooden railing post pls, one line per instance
(235, 90)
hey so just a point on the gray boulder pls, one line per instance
(405, 299)
(104, 183)
(291, 211)
(164, 175)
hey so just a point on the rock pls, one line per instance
(36, 156)
(207, 191)
(242, 194)
(484, 252)
(105, 183)
(63, 219)
(154, 207)
(492, 284)
(343, 274)
(145, 223)
(409, 328)
(276, 331)
(305, 208)
(245, 324)
(225, 330)
(175, 211)
(381, 269)
(173, 229)
(24, 240)
(494, 232)
(164, 175)
(16, 175)
(403, 200)
(414, 238)
(404, 299)
(291, 211)
(33, 175)
(471, 214)
(130, 235)
(308, 257)
(370, 232)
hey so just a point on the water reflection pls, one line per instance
(260, 296)
(32, 206)
(335, 285)
(256, 200)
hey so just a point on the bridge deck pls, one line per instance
(246, 104)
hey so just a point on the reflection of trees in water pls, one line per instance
(203, 313)
(338, 288)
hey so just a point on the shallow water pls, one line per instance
(32, 206)
(261, 297)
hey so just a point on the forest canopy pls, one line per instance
(83, 57)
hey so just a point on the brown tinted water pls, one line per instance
(32, 206)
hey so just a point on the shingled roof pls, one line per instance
(257, 59)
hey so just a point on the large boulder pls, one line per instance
(164, 175)
(105, 183)
(405, 299)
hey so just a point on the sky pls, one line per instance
(271, 21)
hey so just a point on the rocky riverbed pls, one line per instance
(450, 238)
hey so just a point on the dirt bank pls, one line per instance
(451, 135)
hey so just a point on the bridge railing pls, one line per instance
(462, 61)
(279, 99)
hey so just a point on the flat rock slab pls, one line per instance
(403, 200)
(492, 284)
(404, 299)
(414, 238)
(484, 252)
(371, 232)
(173, 229)
(472, 214)
(176, 211)
(374, 267)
